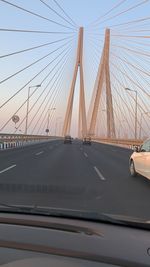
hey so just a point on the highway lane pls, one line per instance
(11, 155)
(73, 176)
(124, 194)
(59, 176)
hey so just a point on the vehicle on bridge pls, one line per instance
(67, 139)
(140, 160)
(86, 140)
(67, 201)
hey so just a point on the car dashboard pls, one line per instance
(31, 240)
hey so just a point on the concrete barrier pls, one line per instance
(8, 141)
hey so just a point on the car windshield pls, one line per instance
(75, 108)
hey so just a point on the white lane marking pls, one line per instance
(39, 153)
(9, 168)
(85, 154)
(99, 173)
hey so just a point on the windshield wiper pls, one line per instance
(17, 208)
(76, 214)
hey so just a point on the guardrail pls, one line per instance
(124, 142)
(18, 140)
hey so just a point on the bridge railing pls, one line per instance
(18, 140)
(129, 143)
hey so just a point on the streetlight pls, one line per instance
(141, 122)
(128, 89)
(47, 129)
(26, 127)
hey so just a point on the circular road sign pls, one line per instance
(15, 118)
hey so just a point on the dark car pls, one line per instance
(67, 139)
(87, 140)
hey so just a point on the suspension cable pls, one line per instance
(43, 69)
(35, 14)
(25, 100)
(33, 48)
(65, 13)
(41, 95)
(32, 31)
(48, 6)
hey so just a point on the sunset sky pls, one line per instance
(83, 13)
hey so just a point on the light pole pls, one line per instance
(27, 112)
(141, 122)
(128, 89)
(48, 117)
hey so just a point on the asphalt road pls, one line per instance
(93, 178)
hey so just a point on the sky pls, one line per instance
(83, 13)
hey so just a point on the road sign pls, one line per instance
(15, 118)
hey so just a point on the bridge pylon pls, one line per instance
(82, 123)
(103, 77)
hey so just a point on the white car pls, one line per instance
(140, 160)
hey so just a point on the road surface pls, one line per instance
(73, 176)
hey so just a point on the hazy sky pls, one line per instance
(83, 13)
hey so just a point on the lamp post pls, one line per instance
(48, 117)
(142, 114)
(27, 112)
(128, 89)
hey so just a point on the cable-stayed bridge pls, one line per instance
(59, 78)
(114, 62)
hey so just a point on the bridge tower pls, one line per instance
(82, 124)
(103, 77)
